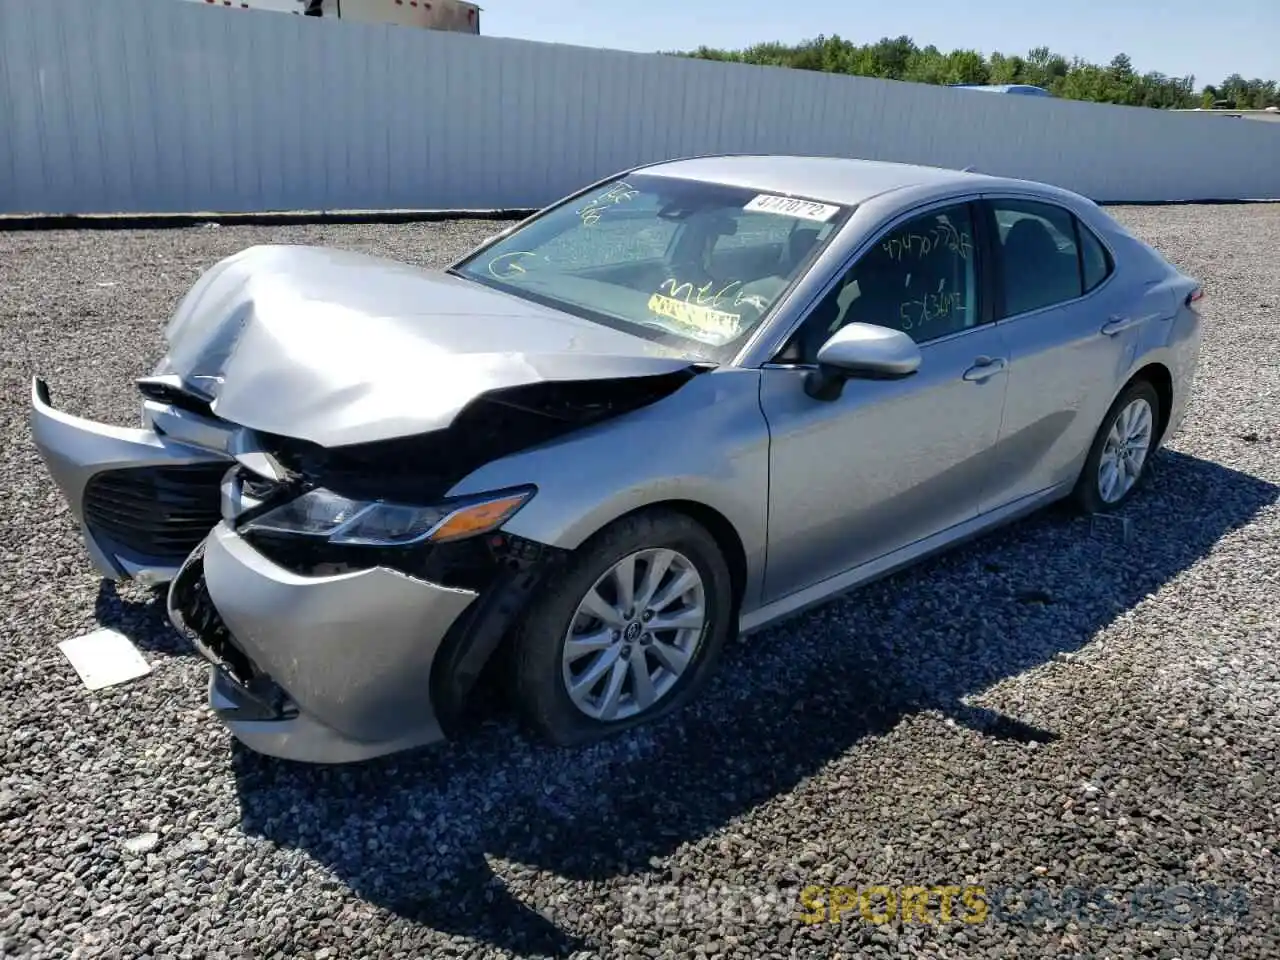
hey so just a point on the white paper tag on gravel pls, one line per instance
(104, 658)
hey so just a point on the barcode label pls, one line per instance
(791, 207)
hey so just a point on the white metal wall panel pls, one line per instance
(151, 106)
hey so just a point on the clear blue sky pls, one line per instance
(1176, 37)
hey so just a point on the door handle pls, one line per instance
(984, 368)
(1116, 325)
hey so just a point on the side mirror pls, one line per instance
(861, 351)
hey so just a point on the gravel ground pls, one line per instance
(1086, 728)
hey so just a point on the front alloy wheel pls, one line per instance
(629, 632)
(634, 634)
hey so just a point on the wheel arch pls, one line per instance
(721, 529)
(1160, 377)
(460, 647)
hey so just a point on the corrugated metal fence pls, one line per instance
(151, 106)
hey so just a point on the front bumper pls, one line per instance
(318, 669)
(345, 667)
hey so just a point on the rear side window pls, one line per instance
(1095, 262)
(1039, 255)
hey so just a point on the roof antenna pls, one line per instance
(969, 169)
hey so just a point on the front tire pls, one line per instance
(1121, 450)
(630, 632)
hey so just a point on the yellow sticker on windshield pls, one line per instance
(705, 319)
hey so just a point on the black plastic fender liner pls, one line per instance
(476, 636)
(192, 613)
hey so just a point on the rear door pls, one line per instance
(1070, 329)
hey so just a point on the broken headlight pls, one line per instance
(325, 515)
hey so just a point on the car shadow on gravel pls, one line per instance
(143, 618)
(431, 835)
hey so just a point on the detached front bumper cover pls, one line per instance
(143, 500)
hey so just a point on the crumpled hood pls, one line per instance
(338, 347)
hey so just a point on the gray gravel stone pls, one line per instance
(143, 843)
(1085, 726)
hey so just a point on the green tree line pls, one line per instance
(900, 59)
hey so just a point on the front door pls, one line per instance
(888, 463)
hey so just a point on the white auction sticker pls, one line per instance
(791, 207)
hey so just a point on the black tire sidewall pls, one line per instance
(1086, 495)
(544, 703)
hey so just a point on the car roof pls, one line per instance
(1024, 89)
(832, 179)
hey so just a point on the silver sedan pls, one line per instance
(681, 404)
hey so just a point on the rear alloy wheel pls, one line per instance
(1121, 450)
(630, 632)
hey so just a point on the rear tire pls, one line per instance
(1121, 450)
(677, 554)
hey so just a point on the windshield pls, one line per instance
(690, 264)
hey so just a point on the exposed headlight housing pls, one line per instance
(324, 515)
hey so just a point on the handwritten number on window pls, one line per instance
(918, 246)
(930, 309)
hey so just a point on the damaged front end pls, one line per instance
(344, 584)
(292, 480)
(332, 369)
(346, 602)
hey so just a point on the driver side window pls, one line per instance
(918, 278)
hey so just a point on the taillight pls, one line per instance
(1195, 295)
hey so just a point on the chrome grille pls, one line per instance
(159, 513)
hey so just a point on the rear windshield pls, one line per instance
(694, 265)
